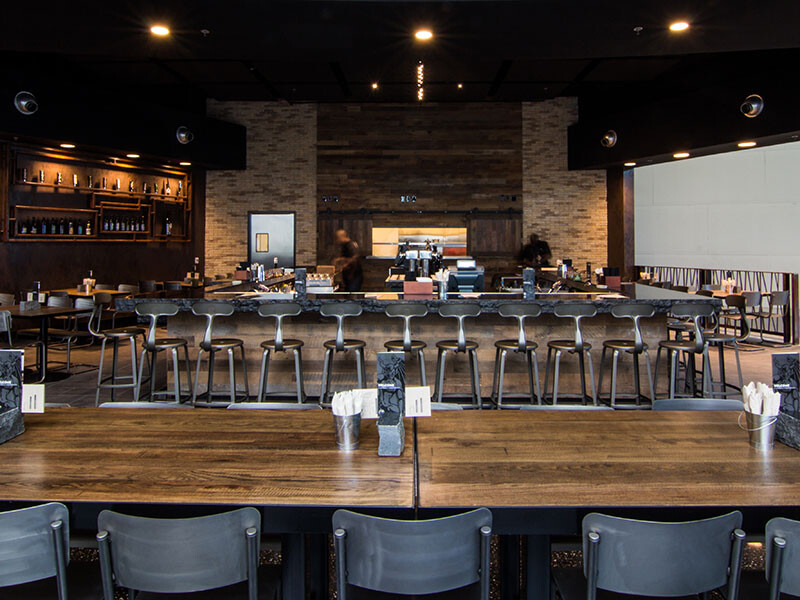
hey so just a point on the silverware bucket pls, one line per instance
(348, 430)
(761, 429)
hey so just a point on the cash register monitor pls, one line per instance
(465, 280)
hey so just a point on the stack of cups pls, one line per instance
(761, 406)
(346, 408)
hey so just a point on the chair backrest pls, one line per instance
(635, 312)
(279, 310)
(179, 555)
(706, 293)
(154, 310)
(147, 285)
(564, 407)
(520, 312)
(5, 324)
(739, 302)
(273, 406)
(752, 299)
(145, 405)
(697, 312)
(651, 558)
(60, 301)
(412, 557)
(341, 311)
(173, 286)
(460, 312)
(778, 299)
(406, 311)
(681, 288)
(104, 286)
(698, 404)
(34, 544)
(211, 310)
(446, 406)
(7, 299)
(219, 276)
(576, 311)
(128, 287)
(783, 557)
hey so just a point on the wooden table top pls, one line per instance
(203, 456)
(598, 458)
(76, 293)
(43, 311)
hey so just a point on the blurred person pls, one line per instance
(349, 261)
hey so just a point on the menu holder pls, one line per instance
(391, 402)
(12, 423)
(786, 380)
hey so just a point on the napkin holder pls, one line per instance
(12, 423)
(30, 305)
(786, 380)
(391, 402)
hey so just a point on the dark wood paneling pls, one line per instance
(621, 238)
(496, 235)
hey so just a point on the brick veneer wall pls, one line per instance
(281, 175)
(566, 208)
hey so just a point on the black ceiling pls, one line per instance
(303, 51)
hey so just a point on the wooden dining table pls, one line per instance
(76, 293)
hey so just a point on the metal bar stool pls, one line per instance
(576, 312)
(341, 311)
(697, 313)
(117, 335)
(523, 345)
(460, 312)
(210, 344)
(634, 347)
(152, 346)
(719, 339)
(279, 311)
(407, 312)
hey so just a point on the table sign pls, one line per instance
(786, 380)
(12, 365)
(529, 283)
(418, 402)
(32, 398)
(391, 402)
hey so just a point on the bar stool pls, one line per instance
(698, 345)
(210, 344)
(407, 312)
(460, 312)
(279, 311)
(502, 347)
(152, 346)
(576, 312)
(116, 335)
(341, 311)
(634, 347)
(720, 339)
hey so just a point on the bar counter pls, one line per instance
(375, 328)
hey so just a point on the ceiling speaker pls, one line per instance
(752, 106)
(609, 139)
(184, 135)
(25, 102)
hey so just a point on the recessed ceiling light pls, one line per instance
(460, 85)
(132, 155)
(681, 155)
(630, 164)
(67, 146)
(746, 144)
(185, 163)
(423, 34)
(374, 85)
(679, 26)
(159, 30)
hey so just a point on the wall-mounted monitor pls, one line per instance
(271, 235)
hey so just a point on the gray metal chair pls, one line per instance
(34, 545)
(181, 556)
(156, 405)
(63, 335)
(782, 543)
(662, 559)
(720, 339)
(778, 305)
(152, 346)
(104, 286)
(7, 299)
(211, 345)
(698, 404)
(412, 557)
(173, 286)
(408, 311)
(577, 346)
(566, 407)
(275, 406)
(635, 347)
(341, 311)
(115, 335)
(6, 327)
(675, 348)
(131, 288)
(462, 344)
(279, 311)
(523, 345)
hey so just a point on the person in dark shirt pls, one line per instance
(349, 262)
(536, 253)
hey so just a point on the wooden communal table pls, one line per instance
(283, 461)
(76, 293)
(541, 471)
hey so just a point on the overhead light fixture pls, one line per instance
(374, 85)
(424, 35)
(609, 139)
(67, 146)
(159, 30)
(420, 81)
(132, 155)
(26, 103)
(681, 155)
(752, 106)
(460, 85)
(678, 26)
(185, 163)
(746, 144)
(630, 164)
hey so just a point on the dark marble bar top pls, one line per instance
(604, 300)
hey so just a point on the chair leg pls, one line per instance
(422, 375)
(440, 365)
(153, 376)
(188, 371)
(547, 370)
(114, 356)
(650, 377)
(244, 373)
(360, 375)
(495, 375)
(535, 361)
(503, 356)
(707, 390)
(209, 393)
(471, 378)
(196, 375)
(138, 392)
(673, 374)
(555, 376)
(614, 361)
(100, 372)
(298, 375)
(738, 364)
(134, 381)
(602, 371)
(232, 376)
(582, 366)
(654, 384)
(177, 374)
(637, 384)
(591, 377)
(262, 376)
(723, 380)
(325, 385)
(529, 363)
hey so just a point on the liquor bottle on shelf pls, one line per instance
(167, 226)
(24, 175)
(88, 229)
(59, 178)
(41, 176)
(89, 182)
(74, 180)
(70, 227)
(167, 189)
(79, 228)
(62, 226)
(142, 225)
(34, 227)
(155, 187)
(22, 227)
(130, 185)
(144, 187)
(54, 227)
(180, 188)
(116, 184)
(103, 182)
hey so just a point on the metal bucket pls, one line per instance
(348, 430)
(761, 429)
